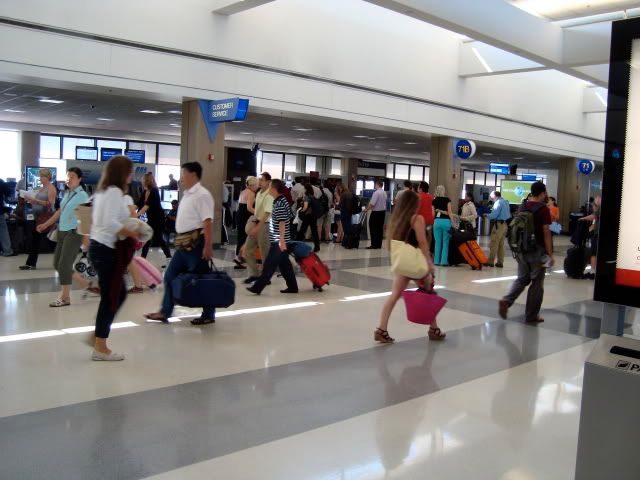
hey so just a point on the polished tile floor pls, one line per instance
(293, 387)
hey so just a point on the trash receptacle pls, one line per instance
(484, 226)
(609, 418)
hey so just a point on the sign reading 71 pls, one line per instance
(465, 149)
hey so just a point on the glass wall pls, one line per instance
(336, 166)
(150, 150)
(69, 145)
(272, 163)
(290, 163)
(402, 172)
(50, 146)
(9, 155)
(310, 164)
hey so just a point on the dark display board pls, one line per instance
(618, 272)
(108, 153)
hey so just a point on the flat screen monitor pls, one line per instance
(529, 178)
(33, 176)
(500, 168)
(515, 191)
(87, 153)
(618, 270)
(136, 156)
(108, 153)
(169, 195)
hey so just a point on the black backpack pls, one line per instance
(324, 202)
(521, 235)
(355, 204)
(316, 207)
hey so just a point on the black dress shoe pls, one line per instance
(499, 265)
(253, 289)
(288, 290)
(26, 267)
(249, 280)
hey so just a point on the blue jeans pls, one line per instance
(442, 234)
(182, 262)
(5, 240)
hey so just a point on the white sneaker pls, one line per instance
(106, 357)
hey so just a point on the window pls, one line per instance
(310, 164)
(168, 154)
(389, 170)
(499, 182)
(416, 173)
(149, 149)
(272, 163)
(59, 165)
(290, 163)
(50, 146)
(112, 144)
(490, 180)
(426, 174)
(69, 145)
(10, 159)
(336, 166)
(163, 171)
(467, 177)
(402, 172)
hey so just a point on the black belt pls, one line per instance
(499, 221)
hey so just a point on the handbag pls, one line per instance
(556, 228)
(207, 287)
(422, 307)
(84, 213)
(45, 217)
(407, 260)
(53, 235)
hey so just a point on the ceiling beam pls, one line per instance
(231, 7)
(506, 27)
(478, 59)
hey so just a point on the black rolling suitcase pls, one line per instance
(352, 240)
(575, 262)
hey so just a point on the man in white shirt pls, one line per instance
(297, 191)
(195, 215)
(378, 208)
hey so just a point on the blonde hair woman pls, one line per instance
(442, 226)
(407, 226)
(42, 208)
(246, 208)
(151, 205)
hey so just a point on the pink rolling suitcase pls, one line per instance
(149, 274)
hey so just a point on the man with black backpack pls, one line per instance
(532, 246)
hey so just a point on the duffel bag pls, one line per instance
(211, 288)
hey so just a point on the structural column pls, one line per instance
(29, 150)
(352, 174)
(445, 169)
(568, 190)
(196, 147)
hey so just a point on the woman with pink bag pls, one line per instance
(410, 260)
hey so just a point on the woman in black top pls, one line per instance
(309, 218)
(442, 226)
(150, 204)
(346, 207)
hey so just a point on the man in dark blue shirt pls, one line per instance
(280, 237)
(5, 240)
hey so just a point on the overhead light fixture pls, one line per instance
(75, 114)
(303, 139)
(487, 154)
(273, 124)
(237, 121)
(11, 110)
(303, 129)
(177, 125)
(105, 119)
(518, 158)
(48, 100)
(350, 144)
(382, 138)
(360, 136)
(175, 112)
(246, 133)
(154, 112)
(392, 149)
(410, 143)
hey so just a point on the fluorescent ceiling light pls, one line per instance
(360, 136)
(392, 149)
(11, 110)
(303, 129)
(481, 60)
(48, 100)
(154, 112)
(350, 144)
(177, 125)
(518, 158)
(487, 154)
(175, 112)
(303, 139)
(105, 119)
(246, 133)
(410, 143)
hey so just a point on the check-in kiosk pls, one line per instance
(609, 433)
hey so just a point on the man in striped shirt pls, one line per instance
(279, 236)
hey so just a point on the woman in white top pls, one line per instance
(108, 217)
(469, 213)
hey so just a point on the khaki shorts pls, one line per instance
(326, 219)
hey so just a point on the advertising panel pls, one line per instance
(515, 191)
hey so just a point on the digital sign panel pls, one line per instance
(515, 191)
(500, 168)
(618, 269)
(108, 153)
(136, 156)
(86, 153)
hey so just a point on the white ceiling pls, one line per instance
(565, 9)
(83, 110)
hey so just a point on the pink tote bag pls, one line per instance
(149, 273)
(422, 307)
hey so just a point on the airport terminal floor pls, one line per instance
(294, 387)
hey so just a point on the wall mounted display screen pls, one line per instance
(86, 153)
(618, 271)
(136, 156)
(515, 191)
(529, 178)
(108, 153)
(501, 168)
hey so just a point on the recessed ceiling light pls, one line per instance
(350, 144)
(175, 112)
(246, 133)
(155, 112)
(371, 138)
(105, 119)
(303, 139)
(303, 129)
(237, 121)
(273, 124)
(410, 143)
(518, 158)
(48, 100)
(487, 154)
(360, 136)
(11, 110)
(382, 138)
(392, 149)
(11, 94)
(75, 114)
(177, 125)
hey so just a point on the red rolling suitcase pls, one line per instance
(316, 271)
(478, 252)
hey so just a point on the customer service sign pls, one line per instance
(628, 262)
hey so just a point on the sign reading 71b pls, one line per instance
(465, 149)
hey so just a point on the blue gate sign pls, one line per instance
(215, 112)
(465, 149)
(586, 167)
